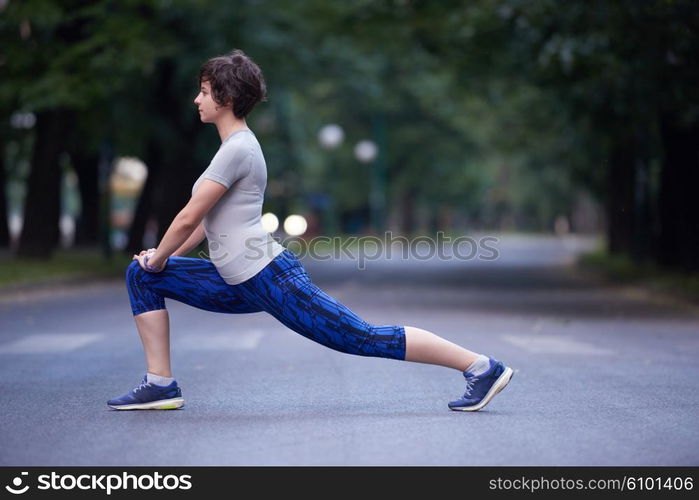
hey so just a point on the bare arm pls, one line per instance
(192, 242)
(187, 222)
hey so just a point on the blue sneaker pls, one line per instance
(149, 396)
(480, 389)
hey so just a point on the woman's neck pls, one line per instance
(226, 126)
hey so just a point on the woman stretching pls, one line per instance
(250, 271)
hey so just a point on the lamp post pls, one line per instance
(379, 171)
(330, 137)
(367, 151)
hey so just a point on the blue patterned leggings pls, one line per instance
(282, 289)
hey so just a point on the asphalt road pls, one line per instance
(604, 375)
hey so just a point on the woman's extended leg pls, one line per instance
(422, 346)
(285, 290)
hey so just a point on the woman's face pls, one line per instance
(209, 111)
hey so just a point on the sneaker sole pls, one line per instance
(163, 404)
(498, 386)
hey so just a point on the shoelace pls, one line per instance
(142, 385)
(469, 385)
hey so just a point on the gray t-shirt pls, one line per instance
(239, 246)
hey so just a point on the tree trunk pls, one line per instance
(168, 158)
(87, 224)
(620, 196)
(4, 229)
(171, 198)
(42, 206)
(643, 227)
(678, 245)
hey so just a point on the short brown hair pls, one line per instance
(234, 78)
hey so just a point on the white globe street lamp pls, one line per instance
(331, 136)
(365, 151)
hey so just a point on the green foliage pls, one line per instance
(75, 54)
(622, 269)
(491, 106)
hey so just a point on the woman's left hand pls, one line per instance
(141, 258)
(142, 253)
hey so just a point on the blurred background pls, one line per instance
(569, 130)
(388, 115)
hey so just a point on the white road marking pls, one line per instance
(551, 344)
(246, 340)
(42, 343)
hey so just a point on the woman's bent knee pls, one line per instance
(133, 268)
(142, 298)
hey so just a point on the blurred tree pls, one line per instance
(631, 67)
(502, 114)
(5, 135)
(623, 75)
(63, 59)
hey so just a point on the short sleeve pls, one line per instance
(229, 165)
